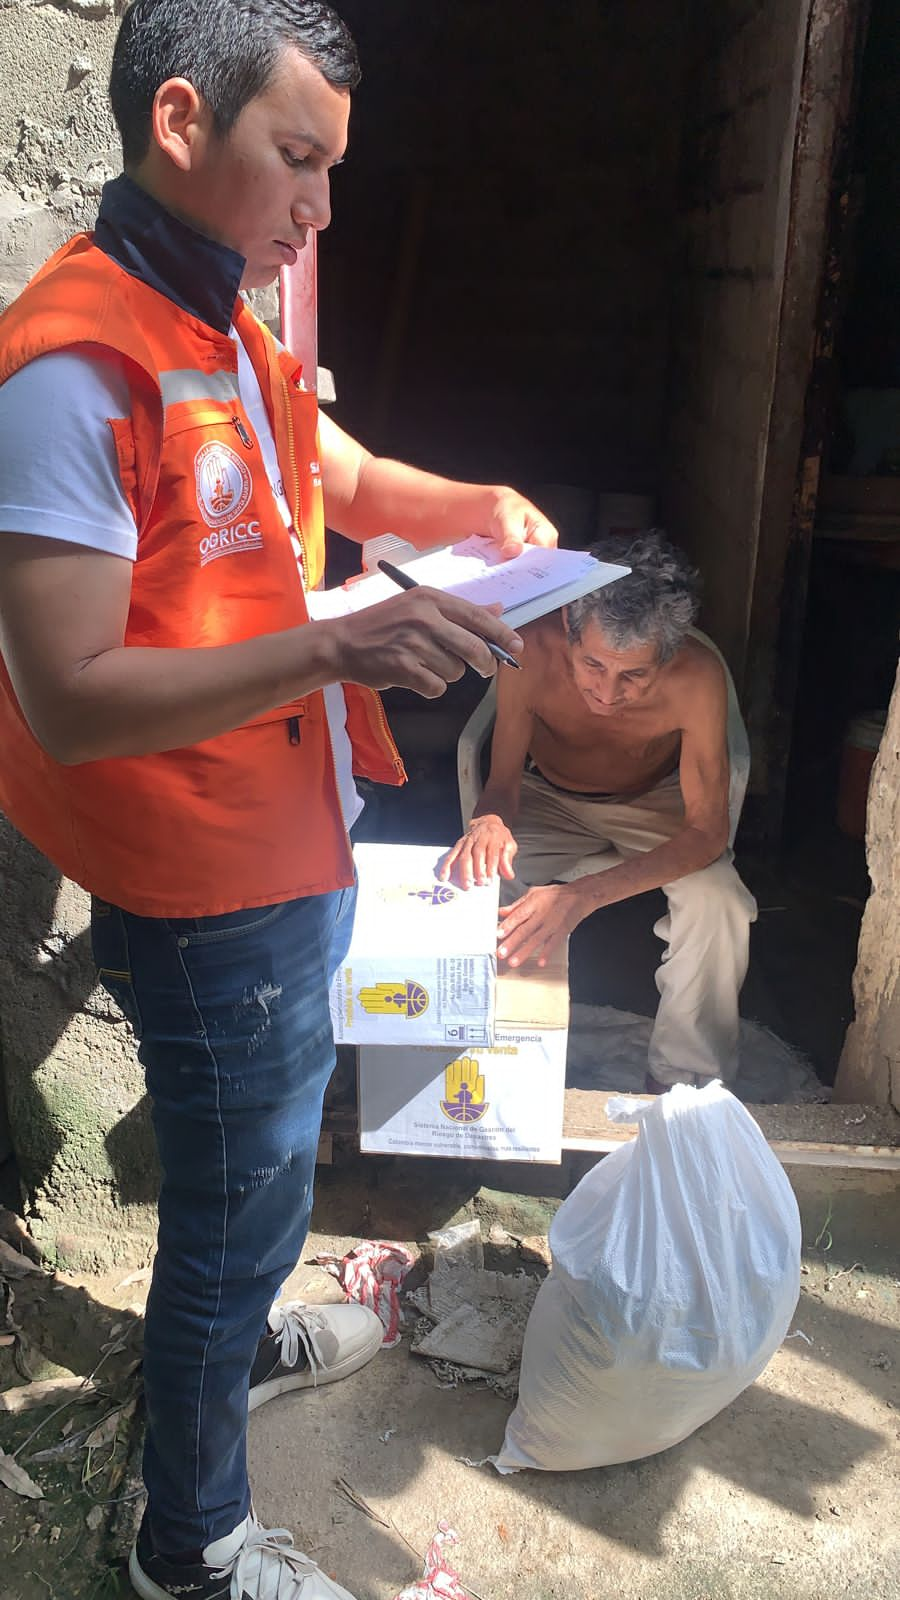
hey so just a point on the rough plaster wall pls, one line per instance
(74, 1087)
(870, 1063)
(58, 143)
(735, 195)
(78, 1123)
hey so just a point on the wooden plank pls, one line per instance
(813, 289)
(803, 1135)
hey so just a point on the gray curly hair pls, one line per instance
(655, 604)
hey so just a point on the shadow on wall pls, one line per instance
(78, 1115)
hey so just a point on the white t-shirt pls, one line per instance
(71, 489)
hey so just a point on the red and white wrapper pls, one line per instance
(372, 1274)
(438, 1581)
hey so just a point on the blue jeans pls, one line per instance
(232, 1017)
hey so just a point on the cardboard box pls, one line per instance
(502, 1102)
(422, 966)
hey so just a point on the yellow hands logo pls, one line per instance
(407, 999)
(464, 1091)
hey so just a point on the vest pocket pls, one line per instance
(292, 716)
(182, 416)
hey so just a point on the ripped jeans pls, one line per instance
(232, 1017)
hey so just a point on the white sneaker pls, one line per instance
(252, 1563)
(309, 1345)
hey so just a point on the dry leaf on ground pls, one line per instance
(15, 1265)
(17, 1479)
(26, 1396)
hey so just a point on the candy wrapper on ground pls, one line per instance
(438, 1581)
(372, 1275)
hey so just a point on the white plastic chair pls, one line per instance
(478, 729)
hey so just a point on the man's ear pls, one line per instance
(179, 122)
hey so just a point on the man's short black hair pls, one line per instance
(227, 49)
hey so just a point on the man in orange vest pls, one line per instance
(180, 737)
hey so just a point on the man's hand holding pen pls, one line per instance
(422, 640)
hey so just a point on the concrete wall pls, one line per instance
(743, 90)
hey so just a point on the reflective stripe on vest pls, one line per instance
(187, 384)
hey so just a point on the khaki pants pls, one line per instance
(706, 930)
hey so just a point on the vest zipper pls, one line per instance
(242, 433)
(294, 722)
(292, 451)
(384, 727)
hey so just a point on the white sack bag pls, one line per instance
(676, 1271)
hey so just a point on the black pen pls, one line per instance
(403, 579)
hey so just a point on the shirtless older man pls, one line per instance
(609, 776)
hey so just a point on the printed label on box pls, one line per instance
(452, 1001)
(503, 1102)
(422, 964)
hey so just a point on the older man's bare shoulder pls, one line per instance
(545, 644)
(696, 674)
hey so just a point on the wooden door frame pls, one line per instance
(798, 415)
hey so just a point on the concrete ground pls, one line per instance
(792, 1492)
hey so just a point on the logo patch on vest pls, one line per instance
(227, 541)
(223, 484)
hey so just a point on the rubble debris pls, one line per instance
(474, 1319)
(469, 1337)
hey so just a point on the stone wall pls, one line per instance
(743, 88)
(870, 1064)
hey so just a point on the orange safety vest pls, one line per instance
(251, 817)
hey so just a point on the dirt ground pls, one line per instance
(790, 1492)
